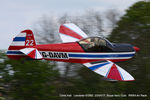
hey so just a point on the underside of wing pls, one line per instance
(109, 70)
(70, 33)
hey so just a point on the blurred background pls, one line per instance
(120, 21)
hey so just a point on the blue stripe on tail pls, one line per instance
(19, 39)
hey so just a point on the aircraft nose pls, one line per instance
(136, 48)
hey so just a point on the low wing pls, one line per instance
(32, 53)
(109, 70)
(70, 33)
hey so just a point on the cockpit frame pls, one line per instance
(96, 44)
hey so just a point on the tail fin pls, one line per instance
(25, 39)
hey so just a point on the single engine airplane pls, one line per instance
(96, 53)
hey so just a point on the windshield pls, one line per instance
(109, 43)
(95, 44)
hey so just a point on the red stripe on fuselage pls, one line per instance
(61, 47)
(65, 30)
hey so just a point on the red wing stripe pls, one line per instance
(67, 31)
(114, 73)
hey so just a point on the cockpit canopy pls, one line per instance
(96, 44)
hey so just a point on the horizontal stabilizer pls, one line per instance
(32, 53)
(109, 70)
